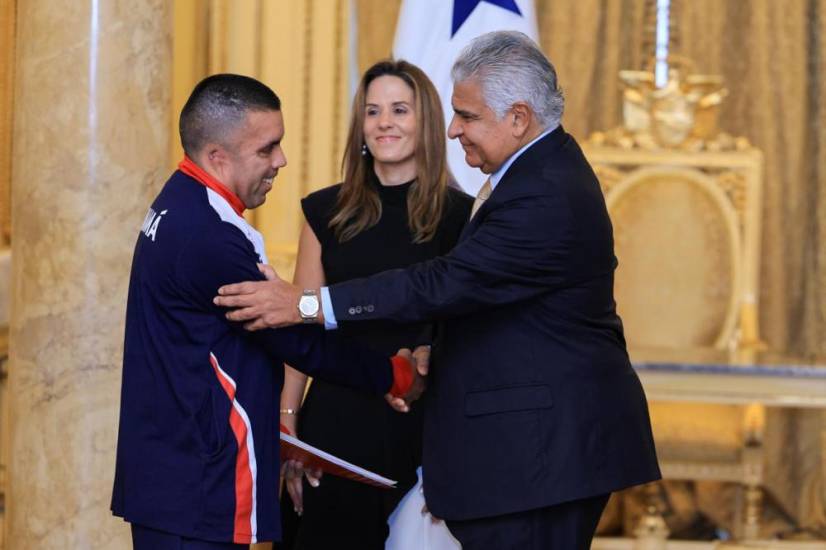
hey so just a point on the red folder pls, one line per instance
(294, 449)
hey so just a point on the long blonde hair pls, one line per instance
(358, 205)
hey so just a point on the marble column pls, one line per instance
(92, 96)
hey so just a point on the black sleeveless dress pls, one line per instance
(355, 426)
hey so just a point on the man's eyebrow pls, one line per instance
(270, 145)
(463, 113)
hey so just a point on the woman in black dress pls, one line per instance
(394, 208)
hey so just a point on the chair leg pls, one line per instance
(754, 509)
(651, 532)
(753, 493)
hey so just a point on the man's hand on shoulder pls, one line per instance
(262, 304)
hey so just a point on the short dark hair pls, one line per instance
(218, 104)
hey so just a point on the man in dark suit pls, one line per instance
(534, 414)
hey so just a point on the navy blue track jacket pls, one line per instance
(198, 439)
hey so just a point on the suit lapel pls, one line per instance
(532, 159)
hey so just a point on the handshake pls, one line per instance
(409, 374)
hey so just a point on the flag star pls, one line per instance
(463, 8)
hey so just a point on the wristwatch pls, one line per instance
(308, 306)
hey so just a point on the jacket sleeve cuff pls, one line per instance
(330, 322)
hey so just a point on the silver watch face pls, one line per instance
(308, 306)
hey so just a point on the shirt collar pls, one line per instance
(496, 176)
(188, 167)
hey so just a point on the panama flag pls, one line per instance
(431, 33)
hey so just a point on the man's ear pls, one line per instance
(521, 117)
(213, 152)
(215, 158)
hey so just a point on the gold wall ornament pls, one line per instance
(681, 114)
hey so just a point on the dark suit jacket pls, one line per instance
(532, 400)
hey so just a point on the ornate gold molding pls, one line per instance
(681, 115)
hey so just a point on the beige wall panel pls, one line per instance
(7, 43)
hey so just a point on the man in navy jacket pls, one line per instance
(534, 414)
(198, 443)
